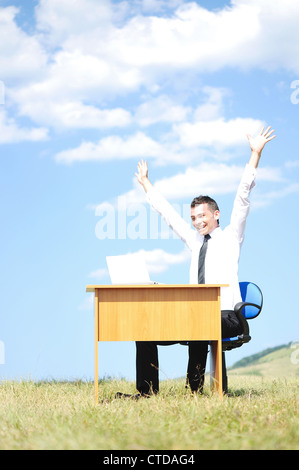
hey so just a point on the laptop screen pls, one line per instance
(128, 269)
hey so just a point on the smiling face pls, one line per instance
(203, 219)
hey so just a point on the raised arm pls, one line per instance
(242, 203)
(258, 143)
(142, 175)
(163, 207)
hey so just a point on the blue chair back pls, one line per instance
(252, 295)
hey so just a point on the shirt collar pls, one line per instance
(212, 234)
(215, 232)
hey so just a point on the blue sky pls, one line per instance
(87, 89)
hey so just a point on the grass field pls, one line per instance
(259, 413)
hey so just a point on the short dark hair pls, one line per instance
(205, 200)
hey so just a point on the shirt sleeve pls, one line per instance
(171, 216)
(242, 204)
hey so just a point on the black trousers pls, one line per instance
(147, 363)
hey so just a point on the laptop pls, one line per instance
(128, 269)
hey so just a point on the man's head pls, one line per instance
(204, 214)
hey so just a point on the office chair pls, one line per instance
(249, 308)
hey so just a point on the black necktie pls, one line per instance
(201, 260)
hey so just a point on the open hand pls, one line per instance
(142, 172)
(257, 143)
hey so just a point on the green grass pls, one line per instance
(260, 413)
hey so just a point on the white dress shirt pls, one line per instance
(222, 258)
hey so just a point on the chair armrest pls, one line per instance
(238, 311)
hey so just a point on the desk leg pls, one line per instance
(216, 367)
(96, 346)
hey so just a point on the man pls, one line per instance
(219, 264)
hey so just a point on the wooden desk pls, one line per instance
(159, 312)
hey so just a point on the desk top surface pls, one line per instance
(92, 288)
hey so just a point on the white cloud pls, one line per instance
(268, 198)
(113, 147)
(271, 174)
(160, 109)
(217, 132)
(158, 6)
(193, 36)
(243, 35)
(163, 108)
(212, 178)
(21, 56)
(74, 115)
(72, 82)
(192, 137)
(87, 304)
(290, 164)
(274, 21)
(85, 54)
(99, 273)
(207, 178)
(11, 132)
(159, 260)
(93, 51)
(60, 19)
(212, 108)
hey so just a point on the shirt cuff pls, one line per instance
(150, 194)
(250, 170)
(249, 175)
